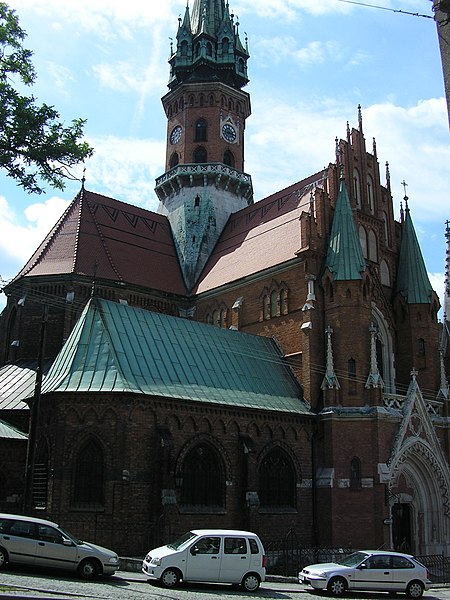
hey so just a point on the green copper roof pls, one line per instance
(9, 432)
(208, 46)
(116, 348)
(412, 278)
(344, 258)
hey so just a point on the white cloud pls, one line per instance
(437, 283)
(126, 169)
(107, 18)
(276, 50)
(286, 143)
(20, 237)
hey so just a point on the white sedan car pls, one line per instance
(369, 570)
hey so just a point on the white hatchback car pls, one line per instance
(369, 570)
(209, 555)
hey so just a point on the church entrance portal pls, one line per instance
(401, 527)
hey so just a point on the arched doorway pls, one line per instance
(419, 500)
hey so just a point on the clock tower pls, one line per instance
(206, 111)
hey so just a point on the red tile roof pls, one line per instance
(102, 237)
(260, 236)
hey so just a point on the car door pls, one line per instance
(403, 570)
(235, 559)
(203, 559)
(52, 551)
(374, 574)
(19, 539)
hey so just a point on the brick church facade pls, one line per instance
(272, 365)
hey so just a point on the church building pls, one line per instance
(274, 365)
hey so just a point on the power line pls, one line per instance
(395, 10)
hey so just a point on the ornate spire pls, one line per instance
(412, 278)
(209, 47)
(330, 380)
(345, 258)
(374, 379)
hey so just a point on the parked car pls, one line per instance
(41, 543)
(373, 570)
(209, 555)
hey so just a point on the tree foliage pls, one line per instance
(34, 145)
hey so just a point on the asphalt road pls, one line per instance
(24, 583)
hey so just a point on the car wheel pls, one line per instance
(414, 589)
(251, 582)
(88, 569)
(170, 578)
(3, 557)
(337, 586)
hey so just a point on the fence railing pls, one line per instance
(286, 557)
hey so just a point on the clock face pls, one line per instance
(229, 133)
(175, 135)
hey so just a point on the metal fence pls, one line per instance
(287, 557)
(438, 567)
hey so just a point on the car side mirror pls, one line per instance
(67, 542)
(195, 550)
(362, 566)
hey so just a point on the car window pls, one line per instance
(379, 562)
(401, 562)
(50, 534)
(4, 525)
(22, 529)
(207, 545)
(254, 548)
(235, 546)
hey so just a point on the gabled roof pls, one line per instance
(116, 348)
(260, 236)
(103, 238)
(344, 258)
(412, 278)
(8, 432)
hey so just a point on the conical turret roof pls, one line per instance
(344, 258)
(412, 278)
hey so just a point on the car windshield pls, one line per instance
(352, 560)
(181, 540)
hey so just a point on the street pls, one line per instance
(24, 583)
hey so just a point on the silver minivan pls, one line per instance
(41, 543)
(209, 555)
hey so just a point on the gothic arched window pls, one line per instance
(274, 304)
(88, 476)
(174, 160)
(363, 240)
(200, 155)
(228, 159)
(357, 187)
(373, 254)
(201, 129)
(370, 193)
(203, 481)
(277, 481)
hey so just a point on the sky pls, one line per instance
(312, 62)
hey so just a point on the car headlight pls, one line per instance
(114, 559)
(156, 562)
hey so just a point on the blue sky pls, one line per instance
(312, 62)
